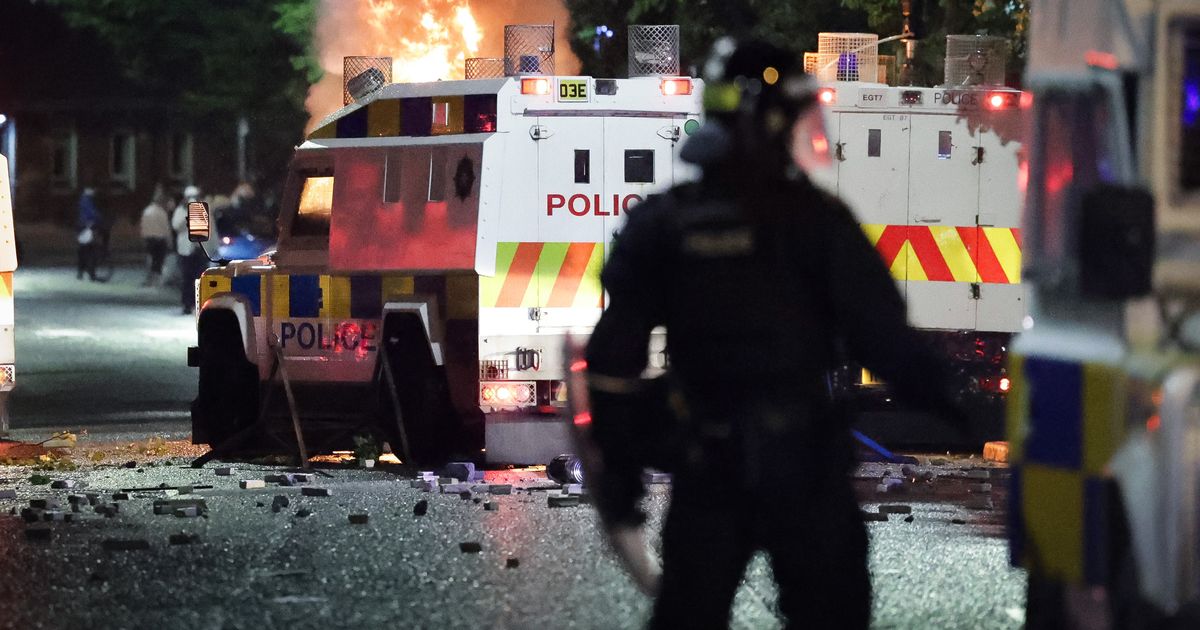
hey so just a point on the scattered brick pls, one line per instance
(131, 464)
(421, 508)
(31, 514)
(979, 488)
(359, 519)
(512, 563)
(37, 532)
(54, 516)
(187, 512)
(247, 484)
(426, 474)
(465, 495)
(459, 470)
(72, 517)
(63, 484)
(491, 506)
(275, 478)
(279, 503)
(442, 481)
(300, 477)
(470, 547)
(910, 471)
(168, 506)
(979, 473)
(303, 512)
(45, 504)
(573, 489)
(8, 493)
(184, 489)
(125, 544)
(958, 521)
(120, 496)
(455, 488)
(481, 488)
(500, 488)
(224, 471)
(416, 483)
(874, 516)
(895, 509)
(561, 500)
(430, 485)
(315, 492)
(92, 497)
(908, 519)
(184, 538)
(979, 502)
(650, 477)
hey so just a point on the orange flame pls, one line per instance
(428, 40)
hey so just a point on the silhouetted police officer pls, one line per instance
(759, 279)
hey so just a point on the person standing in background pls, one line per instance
(191, 257)
(89, 229)
(156, 234)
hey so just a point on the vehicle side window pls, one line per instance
(437, 175)
(874, 140)
(583, 171)
(639, 166)
(316, 204)
(945, 145)
(391, 177)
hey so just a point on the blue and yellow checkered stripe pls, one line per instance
(341, 297)
(414, 117)
(1064, 425)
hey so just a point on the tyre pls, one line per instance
(227, 396)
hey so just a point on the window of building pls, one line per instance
(179, 156)
(122, 165)
(64, 160)
(391, 177)
(639, 166)
(315, 207)
(583, 170)
(874, 140)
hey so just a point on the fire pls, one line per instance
(428, 40)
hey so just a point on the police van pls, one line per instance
(438, 242)
(933, 174)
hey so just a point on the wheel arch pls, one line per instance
(243, 314)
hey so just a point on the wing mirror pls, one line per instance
(198, 221)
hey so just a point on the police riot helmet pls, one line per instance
(757, 85)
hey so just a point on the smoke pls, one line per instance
(428, 40)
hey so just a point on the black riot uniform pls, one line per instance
(761, 281)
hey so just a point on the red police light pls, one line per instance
(674, 87)
(536, 86)
(1000, 100)
(827, 95)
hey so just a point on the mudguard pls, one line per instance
(627, 540)
(244, 313)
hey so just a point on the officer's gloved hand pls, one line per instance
(629, 542)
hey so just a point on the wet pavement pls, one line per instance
(307, 565)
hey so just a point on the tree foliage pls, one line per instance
(246, 57)
(791, 24)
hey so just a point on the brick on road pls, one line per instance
(248, 484)
(8, 493)
(561, 500)
(500, 488)
(421, 508)
(314, 492)
(359, 519)
(979, 488)
(125, 544)
(459, 470)
(895, 509)
(874, 516)
(184, 538)
(223, 471)
(470, 547)
(979, 502)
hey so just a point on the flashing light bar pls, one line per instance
(538, 86)
(827, 95)
(674, 87)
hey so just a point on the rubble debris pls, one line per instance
(958, 521)
(74, 517)
(470, 547)
(168, 506)
(39, 480)
(366, 463)
(249, 484)
(63, 484)
(45, 504)
(895, 509)
(979, 473)
(187, 512)
(561, 500)
(979, 488)
(93, 498)
(416, 483)
(908, 519)
(938, 461)
(477, 500)
(38, 532)
(421, 508)
(184, 489)
(573, 489)
(909, 471)
(455, 488)
(184, 538)
(279, 502)
(120, 496)
(259, 504)
(8, 493)
(359, 519)
(300, 477)
(303, 512)
(459, 470)
(442, 481)
(429, 485)
(512, 563)
(481, 488)
(224, 471)
(874, 516)
(491, 506)
(109, 510)
(465, 495)
(131, 464)
(979, 502)
(315, 492)
(54, 516)
(125, 544)
(31, 515)
(652, 477)
(500, 488)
